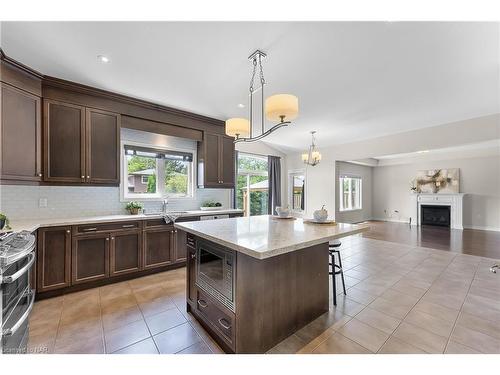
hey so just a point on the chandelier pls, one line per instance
(281, 108)
(312, 157)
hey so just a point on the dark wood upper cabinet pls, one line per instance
(158, 247)
(64, 142)
(21, 128)
(103, 145)
(81, 144)
(90, 258)
(125, 252)
(53, 258)
(216, 161)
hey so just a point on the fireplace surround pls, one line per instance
(453, 201)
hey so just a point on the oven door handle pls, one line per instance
(15, 327)
(22, 271)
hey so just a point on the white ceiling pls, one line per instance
(354, 80)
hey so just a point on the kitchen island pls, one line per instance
(254, 281)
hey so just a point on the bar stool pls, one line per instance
(336, 269)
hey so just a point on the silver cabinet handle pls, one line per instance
(202, 303)
(89, 229)
(18, 274)
(224, 323)
(15, 327)
(128, 225)
(193, 256)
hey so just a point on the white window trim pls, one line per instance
(341, 191)
(158, 196)
(291, 174)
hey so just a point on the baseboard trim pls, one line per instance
(390, 220)
(478, 227)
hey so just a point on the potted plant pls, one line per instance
(134, 207)
(211, 205)
(4, 222)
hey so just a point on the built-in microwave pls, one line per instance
(215, 272)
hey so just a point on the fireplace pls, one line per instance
(435, 215)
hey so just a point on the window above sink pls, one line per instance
(150, 172)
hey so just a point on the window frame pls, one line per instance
(291, 175)
(160, 194)
(341, 193)
(248, 173)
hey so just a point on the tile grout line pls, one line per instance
(460, 311)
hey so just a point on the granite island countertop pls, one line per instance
(34, 224)
(263, 236)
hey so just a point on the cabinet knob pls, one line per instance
(68, 231)
(221, 181)
(107, 238)
(83, 176)
(39, 175)
(88, 176)
(112, 238)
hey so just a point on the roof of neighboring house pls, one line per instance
(260, 185)
(144, 172)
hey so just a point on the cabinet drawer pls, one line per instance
(216, 316)
(105, 227)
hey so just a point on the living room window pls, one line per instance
(155, 173)
(350, 193)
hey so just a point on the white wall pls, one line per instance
(479, 179)
(365, 213)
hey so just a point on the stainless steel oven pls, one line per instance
(215, 272)
(17, 257)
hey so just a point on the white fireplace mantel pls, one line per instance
(455, 201)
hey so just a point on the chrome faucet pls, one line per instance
(494, 268)
(164, 206)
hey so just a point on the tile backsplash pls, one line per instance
(23, 202)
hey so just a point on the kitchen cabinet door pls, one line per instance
(126, 252)
(90, 258)
(180, 245)
(226, 161)
(64, 142)
(21, 135)
(211, 160)
(158, 247)
(191, 273)
(53, 258)
(102, 147)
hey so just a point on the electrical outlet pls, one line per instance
(42, 202)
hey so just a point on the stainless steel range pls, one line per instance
(17, 256)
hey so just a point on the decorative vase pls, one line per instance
(134, 211)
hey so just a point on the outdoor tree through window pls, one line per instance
(252, 187)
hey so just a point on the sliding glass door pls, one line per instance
(252, 187)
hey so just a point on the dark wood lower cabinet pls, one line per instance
(191, 271)
(180, 245)
(90, 258)
(125, 252)
(158, 247)
(54, 258)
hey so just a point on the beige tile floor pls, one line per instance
(400, 299)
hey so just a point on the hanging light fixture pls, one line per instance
(281, 108)
(312, 157)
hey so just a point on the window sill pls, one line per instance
(352, 210)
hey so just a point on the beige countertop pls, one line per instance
(264, 236)
(34, 224)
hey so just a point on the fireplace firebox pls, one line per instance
(435, 215)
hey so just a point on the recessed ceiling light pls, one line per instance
(241, 105)
(103, 59)
(422, 152)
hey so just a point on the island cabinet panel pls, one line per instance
(103, 145)
(277, 296)
(125, 252)
(216, 161)
(21, 135)
(180, 252)
(158, 246)
(64, 142)
(191, 271)
(53, 258)
(90, 258)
